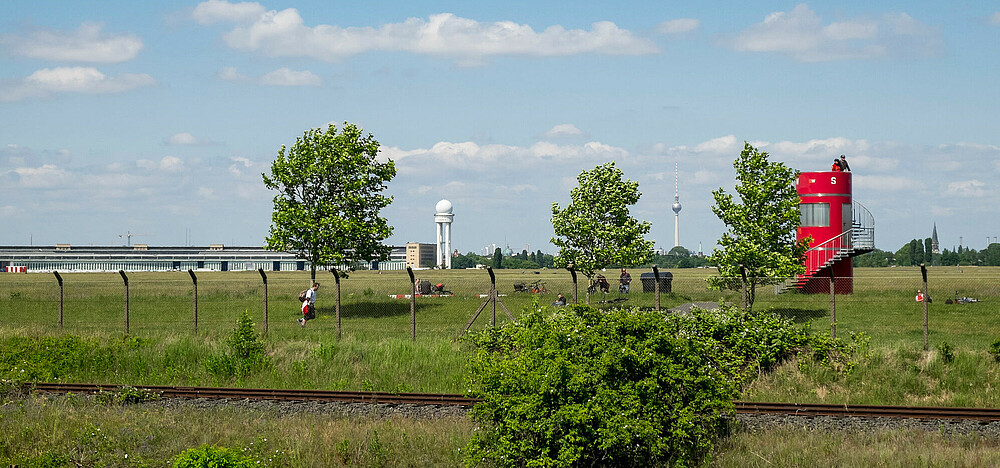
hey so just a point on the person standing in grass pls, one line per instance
(309, 305)
(625, 281)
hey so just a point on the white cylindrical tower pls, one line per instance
(677, 211)
(442, 217)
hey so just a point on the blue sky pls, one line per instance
(157, 118)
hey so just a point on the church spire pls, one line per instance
(934, 241)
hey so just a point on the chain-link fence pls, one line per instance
(446, 302)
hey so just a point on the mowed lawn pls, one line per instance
(882, 305)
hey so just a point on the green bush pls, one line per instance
(245, 355)
(614, 388)
(623, 387)
(947, 353)
(209, 456)
(995, 350)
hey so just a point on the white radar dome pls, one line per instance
(443, 206)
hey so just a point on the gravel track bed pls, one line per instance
(745, 422)
(319, 407)
(756, 422)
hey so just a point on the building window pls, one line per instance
(814, 214)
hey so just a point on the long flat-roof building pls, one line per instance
(143, 257)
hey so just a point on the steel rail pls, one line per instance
(445, 399)
(267, 394)
(868, 411)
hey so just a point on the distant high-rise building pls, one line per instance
(677, 211)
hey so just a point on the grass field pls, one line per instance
(375, 352)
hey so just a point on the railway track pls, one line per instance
(441, 399)
(445, 399)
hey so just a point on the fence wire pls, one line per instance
(378, 304)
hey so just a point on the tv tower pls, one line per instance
(677, 210)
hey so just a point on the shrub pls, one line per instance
(246, 352)
(126, 395)
(947, 354)
(616, 388)
(209, 456)
(623, 387)
(995, 350)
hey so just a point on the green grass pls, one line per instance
(795, 446)
(39, 431)
(376, 353)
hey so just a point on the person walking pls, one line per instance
(309, 305)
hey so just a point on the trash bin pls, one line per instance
(649, 282)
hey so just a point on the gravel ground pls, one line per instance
(318, 407)
(746, 422)
(751, 422)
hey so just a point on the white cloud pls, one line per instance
(216, 11)
(284, 34)
(966, 189)
(726, 144)
(181, 139)
(230, 74)
(167, 164)
(86, 44)
(801, 35)
(678, 26)
(72, 80)
(281, 77)
(44, 176)
(563, 130)
(287, 77)
(885, 182)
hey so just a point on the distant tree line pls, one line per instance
(522, 261)
(919, 251)
(678, 257)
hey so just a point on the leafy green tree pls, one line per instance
(916, 252)
(497, 259)
(583, 387)
(330, 187)
(760, 247)
(596, 230)
(991, 255)
(468, 260)
(875, 258)
(928, 251)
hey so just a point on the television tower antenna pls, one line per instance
(677, 210)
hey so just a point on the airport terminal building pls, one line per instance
(142, 257)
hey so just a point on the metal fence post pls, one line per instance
(336, 279)
(573, 273)
(493, 294)
(264, 278)
(833, 305)
(59, 279)
(194, 306)
(656, 285)
(413, 304)
(125, 279)
(927, 298)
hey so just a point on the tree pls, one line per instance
(330, 187)
(760, 247)
(595, 230)
(497, 262)
(928, 251)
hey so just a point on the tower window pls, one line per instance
(814, 214)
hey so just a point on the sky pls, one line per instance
(152, 122)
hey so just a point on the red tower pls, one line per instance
(840, 229)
